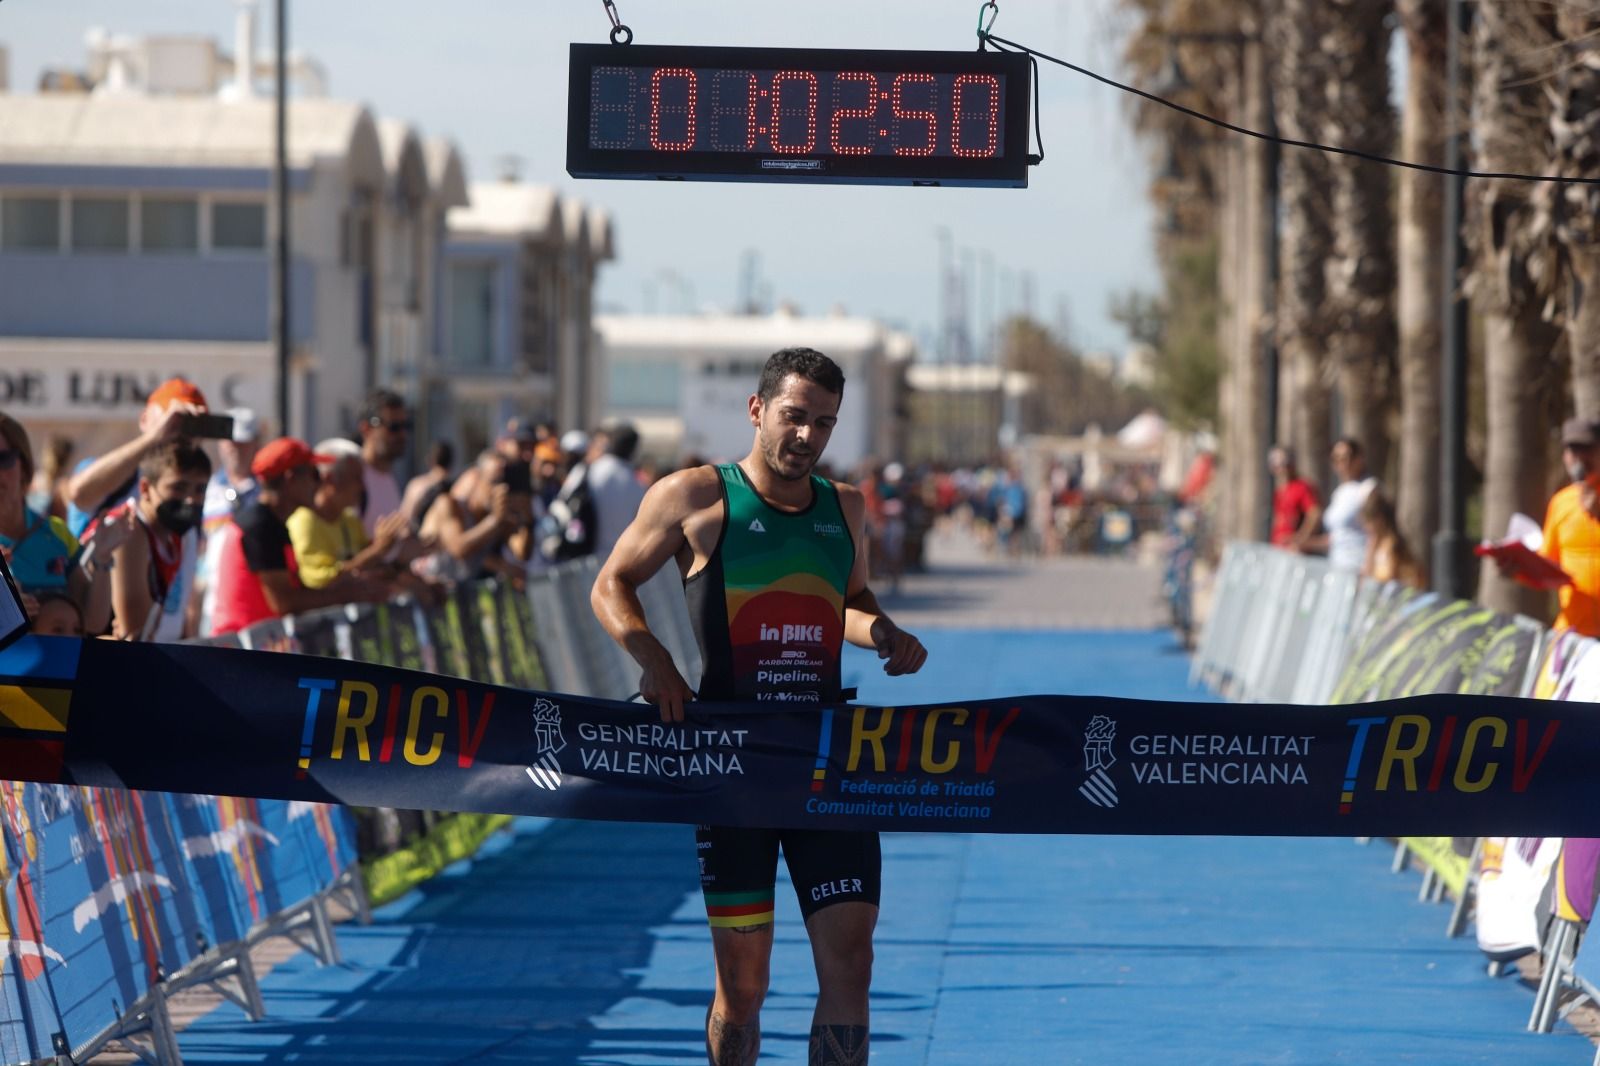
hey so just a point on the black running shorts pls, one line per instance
(739, 870)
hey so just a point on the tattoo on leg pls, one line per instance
(838, 1045)
(732, 1045)
(752, 928)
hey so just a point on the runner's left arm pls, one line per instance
(866, 624)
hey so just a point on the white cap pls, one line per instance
(246, 426)
(574, 441)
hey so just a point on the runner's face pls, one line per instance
(793, 427)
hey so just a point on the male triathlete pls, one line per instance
(775, 572)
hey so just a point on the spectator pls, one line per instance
(422, 488)
(232, 485)
(257, 574)
(151, 583)
(385, 433)
(57, 615)
(42, 552)
(1388, 556)
(549, 470)
(100, 483)
(1572, 528)
(1344, 537)
(1294, 501)
(469, 534)
(614, 487)
(518, 441)
(47, 492)
(327, 535)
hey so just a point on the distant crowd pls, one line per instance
(203, 525)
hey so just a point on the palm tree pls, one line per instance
(1421, 264)
(1511, 263)
(1357, 114)
(1574, 135)
(1305, 235)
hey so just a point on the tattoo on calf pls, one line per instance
(838, 1045)
(732, 1045)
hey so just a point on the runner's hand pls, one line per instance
(662, 685)
(904, 652)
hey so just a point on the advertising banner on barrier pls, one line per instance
(214, 720)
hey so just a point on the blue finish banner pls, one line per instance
(301, 728)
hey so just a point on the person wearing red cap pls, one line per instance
(257, 574)
(100, 483)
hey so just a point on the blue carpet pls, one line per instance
(586, 943)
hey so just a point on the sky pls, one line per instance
(490, 75)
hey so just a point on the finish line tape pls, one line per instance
(187, 718)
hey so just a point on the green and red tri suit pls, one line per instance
(768, 613)
(768, 607)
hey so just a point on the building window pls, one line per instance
(30, 224)
(238, 227)
(643, 385)
(99, 224)
(169, 225)
(472, 314)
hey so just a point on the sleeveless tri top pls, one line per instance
(768, 607)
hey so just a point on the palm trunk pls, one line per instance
(1575, 133)
(1361, 272)
(1421, 265)
(1306, 238)
(1583, 325)
(1517, 352)
(1508, 135)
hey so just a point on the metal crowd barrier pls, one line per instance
(115, 901)
(1287, 628)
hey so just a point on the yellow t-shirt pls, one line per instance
(1572, 542)
(320, 546)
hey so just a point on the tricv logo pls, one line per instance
(789, 634)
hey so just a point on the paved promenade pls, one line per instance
(586, 943)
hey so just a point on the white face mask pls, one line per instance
(1577, 470)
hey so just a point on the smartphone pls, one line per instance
(208, 427)
(517, 476)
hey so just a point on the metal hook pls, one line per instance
(991, 6)
(617, 28)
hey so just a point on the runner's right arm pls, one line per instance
(655, 536)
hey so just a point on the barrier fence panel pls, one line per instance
(112, 899)
(1286, 628)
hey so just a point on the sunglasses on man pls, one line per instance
(9, 458)
(402, 426)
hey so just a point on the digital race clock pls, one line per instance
(811, 115)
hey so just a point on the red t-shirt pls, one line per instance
(255, 542)
(1289, 506)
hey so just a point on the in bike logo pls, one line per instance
(1466, 758)
(1098, 788)
(546, 771)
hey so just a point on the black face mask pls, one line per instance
(178, 516)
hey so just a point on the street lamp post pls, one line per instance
(280, 213)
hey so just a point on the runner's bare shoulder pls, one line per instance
(851, 502)
(685, 497)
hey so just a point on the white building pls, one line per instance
(135, 238)
(685, 380)
(517, 333)
(135, 243)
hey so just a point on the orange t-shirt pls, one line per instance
(1572, 542)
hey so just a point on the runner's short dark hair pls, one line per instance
(181, 455)
(808, 363)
